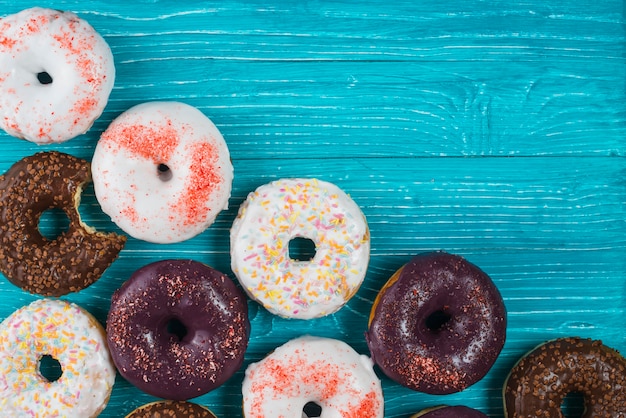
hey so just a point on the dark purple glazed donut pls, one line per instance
(438, 325)
(449, 412)
(178, 329)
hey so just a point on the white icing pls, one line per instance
(280, 211)
(151, 207)
(312, 369)
(74, 338)
(76, 57)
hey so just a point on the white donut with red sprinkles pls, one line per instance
(56, 75)
(313, 372)
(162, 172)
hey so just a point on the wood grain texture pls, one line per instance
(494, 130)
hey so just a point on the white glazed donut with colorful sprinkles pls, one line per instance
(305, 370)
(56, 75)
(76, 340)
(275, 214)
(162, 172)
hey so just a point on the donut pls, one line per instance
(449, 412)
(50, 267)
(281, 212)
(317, 371)
(56, 75)
(178, 329)
(539, 383)
(171, 409)
(162, 172)
(71, 336)
(438, 325)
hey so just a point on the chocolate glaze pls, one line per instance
(207, 303)
(538, 384)
(171, 409)
(72, 261)
(438, 325)
(450, 412)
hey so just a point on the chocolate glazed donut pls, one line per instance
(449, 412)
(50, 267)
(171, 409)
(438, 324)
(539, 383)
(178, 329)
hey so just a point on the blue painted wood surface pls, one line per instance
(492, 129)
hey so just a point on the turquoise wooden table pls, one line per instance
(489, 129)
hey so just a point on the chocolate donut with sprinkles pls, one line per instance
(539, 383)
(50, 267)
(178, 329)
(171, 409)
(438, 324)
(449, 412)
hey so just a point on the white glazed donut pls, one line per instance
(281, 211)
(56, 74)
(324, 371)
(71, 336)
(162, 172)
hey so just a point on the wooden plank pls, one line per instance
(551, 240)
(490, 129)
(294, 80)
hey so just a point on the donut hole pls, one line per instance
(50, 368)
(176, 329)
(164, 172)
(312, 410)
(53, 223)
(573, 405)
(302, 249)
(44, 78)
(437, 320)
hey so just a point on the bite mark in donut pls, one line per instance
(76, 258)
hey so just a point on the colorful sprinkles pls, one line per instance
(278, 212)
(68, 334)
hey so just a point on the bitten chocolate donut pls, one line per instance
(449, 412)
(438, 325)
(178, 329)
(540, 381)
(50, 267)
(171, 409)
